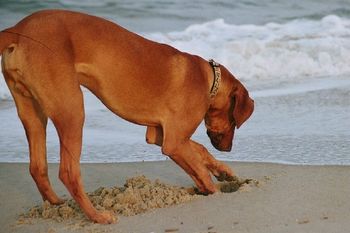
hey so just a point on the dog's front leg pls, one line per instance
(154, 135)
(189, 160)
(221, 171)
(193, 166)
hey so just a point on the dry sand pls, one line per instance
(286, 199)
(138, 195)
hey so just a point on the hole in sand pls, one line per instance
(235, 185)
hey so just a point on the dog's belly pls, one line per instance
(129, 99)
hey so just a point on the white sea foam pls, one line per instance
(299, 48)
(293, 50)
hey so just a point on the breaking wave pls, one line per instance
(297, 49)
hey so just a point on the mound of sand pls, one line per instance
(138, 195)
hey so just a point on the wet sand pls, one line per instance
(287, 198)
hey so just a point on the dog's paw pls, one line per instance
(224, 173)
(58, 201)
(55, 200)
(104, 217)
(223, 176)
(206, 190)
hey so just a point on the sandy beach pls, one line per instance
(289, 198)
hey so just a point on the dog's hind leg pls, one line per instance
(50, 79)
(68, 118)
(34, 122)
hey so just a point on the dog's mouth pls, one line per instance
(221, 141)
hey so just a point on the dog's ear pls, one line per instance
(243, 104)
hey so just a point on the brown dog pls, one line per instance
(49, 54)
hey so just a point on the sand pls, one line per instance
(286, 198)
(138, 195)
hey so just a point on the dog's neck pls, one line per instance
(217, 78)
(226, 83)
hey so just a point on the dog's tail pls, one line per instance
(6, 39)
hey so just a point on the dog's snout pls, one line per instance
(221, 141)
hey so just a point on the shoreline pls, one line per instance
(169, 161)
(295, 128)
(287, 163)
(289, 198)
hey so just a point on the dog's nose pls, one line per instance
(226, 148)
(221, 142)
(222, 147)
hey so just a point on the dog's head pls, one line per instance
(230, 109)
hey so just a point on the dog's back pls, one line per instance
(120, 67)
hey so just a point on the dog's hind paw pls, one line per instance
(104, 217)
(55, 201)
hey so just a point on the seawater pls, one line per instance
(277, 48)
(257, 40)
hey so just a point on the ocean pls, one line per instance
(283, 51)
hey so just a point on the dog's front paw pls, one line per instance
(225, 177)
(104, 217)
(207, 189)
(225, 173)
